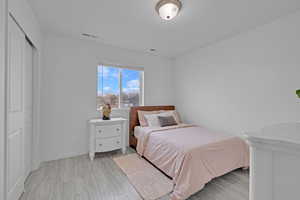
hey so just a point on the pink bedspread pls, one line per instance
(191, 155)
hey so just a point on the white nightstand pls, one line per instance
(107, 135)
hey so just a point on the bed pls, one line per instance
(191, 155)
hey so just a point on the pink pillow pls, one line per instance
(142, 119)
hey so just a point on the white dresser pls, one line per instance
(275, 163)
(107, 135)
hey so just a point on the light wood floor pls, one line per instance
(80, 179)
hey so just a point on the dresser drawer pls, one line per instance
(108, 131)
(108, 144)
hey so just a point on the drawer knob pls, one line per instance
(118, 142)
(99, 131)
(100, 145)
(118, 129)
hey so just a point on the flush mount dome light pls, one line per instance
(168, 9)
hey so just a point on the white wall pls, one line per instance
(245, 82)
(69, 90)
(3, 33)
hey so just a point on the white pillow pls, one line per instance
(152, 119)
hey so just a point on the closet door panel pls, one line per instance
(28, 115)
(16, 49)
(15, 151)
(14, 158)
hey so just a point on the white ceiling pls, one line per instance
(134, 24)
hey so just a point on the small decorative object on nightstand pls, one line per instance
(106, 110)
(107, 135)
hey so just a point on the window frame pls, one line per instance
(120, 67)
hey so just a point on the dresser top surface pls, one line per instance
(117, 119)
(285, 132)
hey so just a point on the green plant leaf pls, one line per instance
(298, 93)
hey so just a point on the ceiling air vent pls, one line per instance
(89, 35)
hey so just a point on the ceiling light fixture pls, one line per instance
(168, 9)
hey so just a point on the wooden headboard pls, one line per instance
(134, 120)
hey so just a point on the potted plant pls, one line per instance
(298, 93)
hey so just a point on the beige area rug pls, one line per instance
(149, 182)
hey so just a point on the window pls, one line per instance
(120, 87)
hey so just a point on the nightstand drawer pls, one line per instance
(108, 144)
(108, 131)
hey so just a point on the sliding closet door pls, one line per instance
(28, 115)
(3, 12)
(15, 111)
